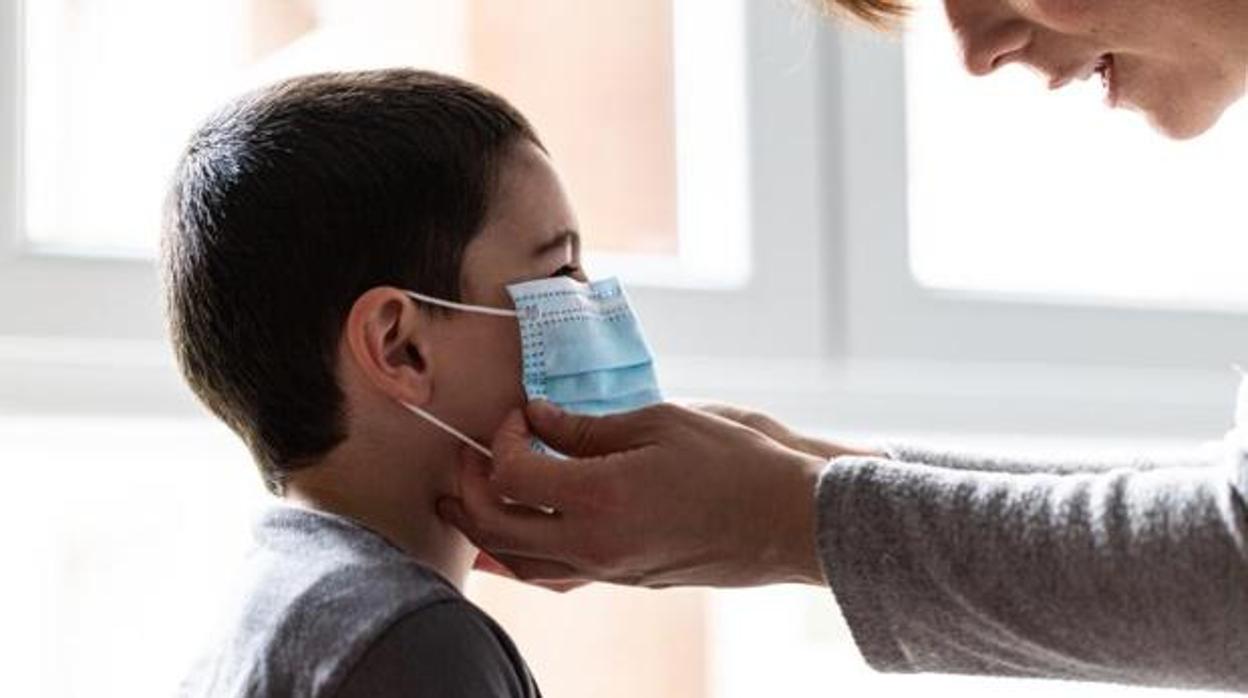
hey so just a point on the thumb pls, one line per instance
(580, 435)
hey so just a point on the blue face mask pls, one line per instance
(581, 348)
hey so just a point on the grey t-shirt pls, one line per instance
(329, 608)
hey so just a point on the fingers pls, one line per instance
(761, 423)
(536, 479)
(586, 436)
(499, 527)
(719, 409)
(549, 574)
(777, 431)
(493, 524)
(530, 568)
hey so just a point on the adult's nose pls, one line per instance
(988, 37)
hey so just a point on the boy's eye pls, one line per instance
(566, 270)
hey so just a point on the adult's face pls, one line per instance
(1180, 62)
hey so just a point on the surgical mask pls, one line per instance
(581, 348)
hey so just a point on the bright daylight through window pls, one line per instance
(109, 92)
(105, 118)
(983, 152)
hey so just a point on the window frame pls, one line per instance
(895, 317)
(53, 295)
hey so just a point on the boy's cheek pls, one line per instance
(487, 384)
(491, 405)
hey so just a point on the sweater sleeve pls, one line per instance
(1131, 575)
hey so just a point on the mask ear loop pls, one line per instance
(483, 309)
(468, 440)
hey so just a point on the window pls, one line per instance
(121, 548)
(982, 226)
(1017, 191)
(95, 123)
(609, 86)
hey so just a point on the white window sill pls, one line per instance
(872, 398)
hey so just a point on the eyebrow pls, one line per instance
(560, 240)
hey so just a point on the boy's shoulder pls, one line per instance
(462, 652)
(329, 608)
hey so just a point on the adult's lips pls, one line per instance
(1082, 73)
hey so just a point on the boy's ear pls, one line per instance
(387, 339)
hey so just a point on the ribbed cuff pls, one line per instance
(851, 557)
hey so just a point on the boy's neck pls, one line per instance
(394, 499)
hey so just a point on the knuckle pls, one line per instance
(582, 433)
(758, 421)
(752, 420)
(658, 416)
(667, 411)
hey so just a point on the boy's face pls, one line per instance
(530, 232)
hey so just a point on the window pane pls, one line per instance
(1017, 190)
(606, 115)
(113, 88)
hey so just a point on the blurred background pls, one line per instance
(839, 229)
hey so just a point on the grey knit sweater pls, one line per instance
(1131, 573)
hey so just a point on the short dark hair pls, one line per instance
(290, 203)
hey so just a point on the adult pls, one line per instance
(944, 562)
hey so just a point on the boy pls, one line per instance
(299, 218)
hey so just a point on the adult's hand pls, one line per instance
(777, 431)
(485, 563)
(664, 496)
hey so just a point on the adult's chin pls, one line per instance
(1180, 129)
(1186, 116)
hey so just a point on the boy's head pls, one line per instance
(297, 216)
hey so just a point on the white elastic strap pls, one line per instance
(451, 430)
(483, 309)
